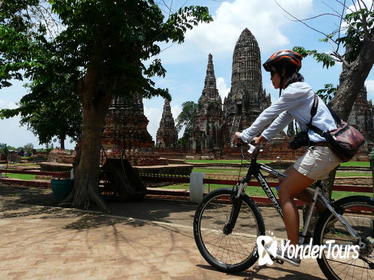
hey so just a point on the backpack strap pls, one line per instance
(313, 111)
(337, 119)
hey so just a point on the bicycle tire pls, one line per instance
(209, 219)
(359, 212)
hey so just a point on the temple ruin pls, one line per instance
(214, 125)
(207, 130)
(167, 135)
(246, 99)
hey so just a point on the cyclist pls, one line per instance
(294, 103)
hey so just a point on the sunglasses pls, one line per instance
(272, 73)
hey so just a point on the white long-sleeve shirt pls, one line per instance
(295, 102)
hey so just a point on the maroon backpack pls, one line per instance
(344, 141)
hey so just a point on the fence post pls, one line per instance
(371, 159)
(196, 187)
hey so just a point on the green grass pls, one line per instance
(258, 191)
(349, 163)
(353, 174)
(219, 171)
(222, 161)
(20, 176)
(235, 171)
(356, 163)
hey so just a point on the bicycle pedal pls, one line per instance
(279, 261)
(276, 260)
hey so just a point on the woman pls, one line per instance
(294, 103)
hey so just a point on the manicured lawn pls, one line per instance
(349, 163)
(257, 191)
(219, 171)
(20, 176)
(353, 174)
(356, 163)
(223, 161)
(235, 171)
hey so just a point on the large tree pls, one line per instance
(105, 45)
(353, 43)
(186, 120)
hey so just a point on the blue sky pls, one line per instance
(186, 63)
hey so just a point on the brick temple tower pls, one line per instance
(246, 99)
(361, 115)
(167, 135)
(207, 131)
(125, 132)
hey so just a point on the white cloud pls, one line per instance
(222, 87)
(175, 110)
(262, 17)
(153, 115)
(370, 89)
(5, 104)
(358, 5)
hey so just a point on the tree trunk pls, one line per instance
(351, 81)
(62, 142)
(95, 107)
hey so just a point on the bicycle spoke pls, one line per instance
(227, 249)
(359, 213)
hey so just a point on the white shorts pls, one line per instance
(317, 162)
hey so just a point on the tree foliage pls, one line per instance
(104, 49)
(356, 35)
(186, 120)
(187, 117)
(327, 93)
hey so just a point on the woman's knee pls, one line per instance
(283, 193)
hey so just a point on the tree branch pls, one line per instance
(341, 59)
(320, 15)
(328, 6)
(345, 6)
(340, 26)
(364, 21)
(307, 25)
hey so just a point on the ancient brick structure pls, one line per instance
(207, 131)
(246, 99)
(167, 135)
(214, 126)
(362, 115)
(125, 132)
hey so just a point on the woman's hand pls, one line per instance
(260, 139)
(236, 138)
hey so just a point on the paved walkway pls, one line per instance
(146, 240)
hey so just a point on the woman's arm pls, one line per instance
(292, 97)
(277, 125)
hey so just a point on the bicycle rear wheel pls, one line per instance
(228, 251)
(342, 263)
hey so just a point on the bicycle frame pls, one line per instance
(255, 171)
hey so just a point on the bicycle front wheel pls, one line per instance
(341, 262)
(227, 250)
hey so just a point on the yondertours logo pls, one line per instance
(269, 246)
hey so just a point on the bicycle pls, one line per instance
(227, 223)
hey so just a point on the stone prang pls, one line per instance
(207, 130)
(167, 135)
(246, 99)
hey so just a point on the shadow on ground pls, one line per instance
(13, 199)
(262, 272)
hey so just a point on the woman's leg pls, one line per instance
(293, 184)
